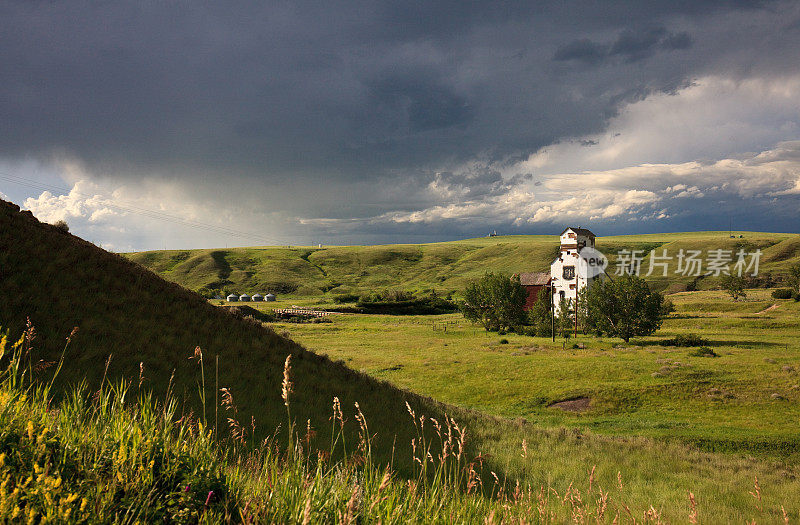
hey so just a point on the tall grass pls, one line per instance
(117, 456)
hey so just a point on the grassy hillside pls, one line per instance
(444, 267)
(151, 327)
(134, 325)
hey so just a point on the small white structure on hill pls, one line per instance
(244, 297)
(258, 297)
(565, 277)
(232, 298)
(269, 297)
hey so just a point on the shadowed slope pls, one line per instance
(131, 315)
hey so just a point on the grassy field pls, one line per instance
(445, 267)
(746, 399)
(99, 457)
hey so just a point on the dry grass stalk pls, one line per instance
(652, 515)
(524, 448)
(602, 504)
(757, 495)
(307, 509)
(352, 507)
(387, 479)
(287, 386)
(462, 439)
(473, 479)
(310, 434)
(413, 415)
(227, 399)
(693, 513)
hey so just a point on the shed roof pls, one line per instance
(534, 278)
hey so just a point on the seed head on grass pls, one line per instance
(307, 510)
(227, 399)
(757, 495)
(352, 507)
(287, 386)
(387, 478)
(693, 505)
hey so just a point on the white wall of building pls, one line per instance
(564, 270)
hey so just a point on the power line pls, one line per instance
(153, 214)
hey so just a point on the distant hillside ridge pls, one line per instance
(135, 325)
(443, 267)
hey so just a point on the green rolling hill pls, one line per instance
(134, 322)
(444, 267)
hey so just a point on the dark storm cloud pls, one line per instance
(324, 107)
(630, 46)
(473, 184)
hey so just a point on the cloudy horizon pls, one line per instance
(154, 125)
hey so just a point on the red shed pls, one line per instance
(534, 283)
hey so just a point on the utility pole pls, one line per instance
(552, 313)
(576, 301)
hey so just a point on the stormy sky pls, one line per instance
(147, 125)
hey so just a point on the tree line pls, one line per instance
(624, 307)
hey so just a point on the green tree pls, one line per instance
(496, 301)
(565, 323)
(624, 307)
(539, 315)
(794, 277)
(734, 286)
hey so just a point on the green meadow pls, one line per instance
(743, 400)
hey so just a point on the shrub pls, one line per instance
(387, 296)
(685, 340)
(62, 225)
(782, 293)
(734, 286)
(703, 351)
(345, 298)
(504, 341)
